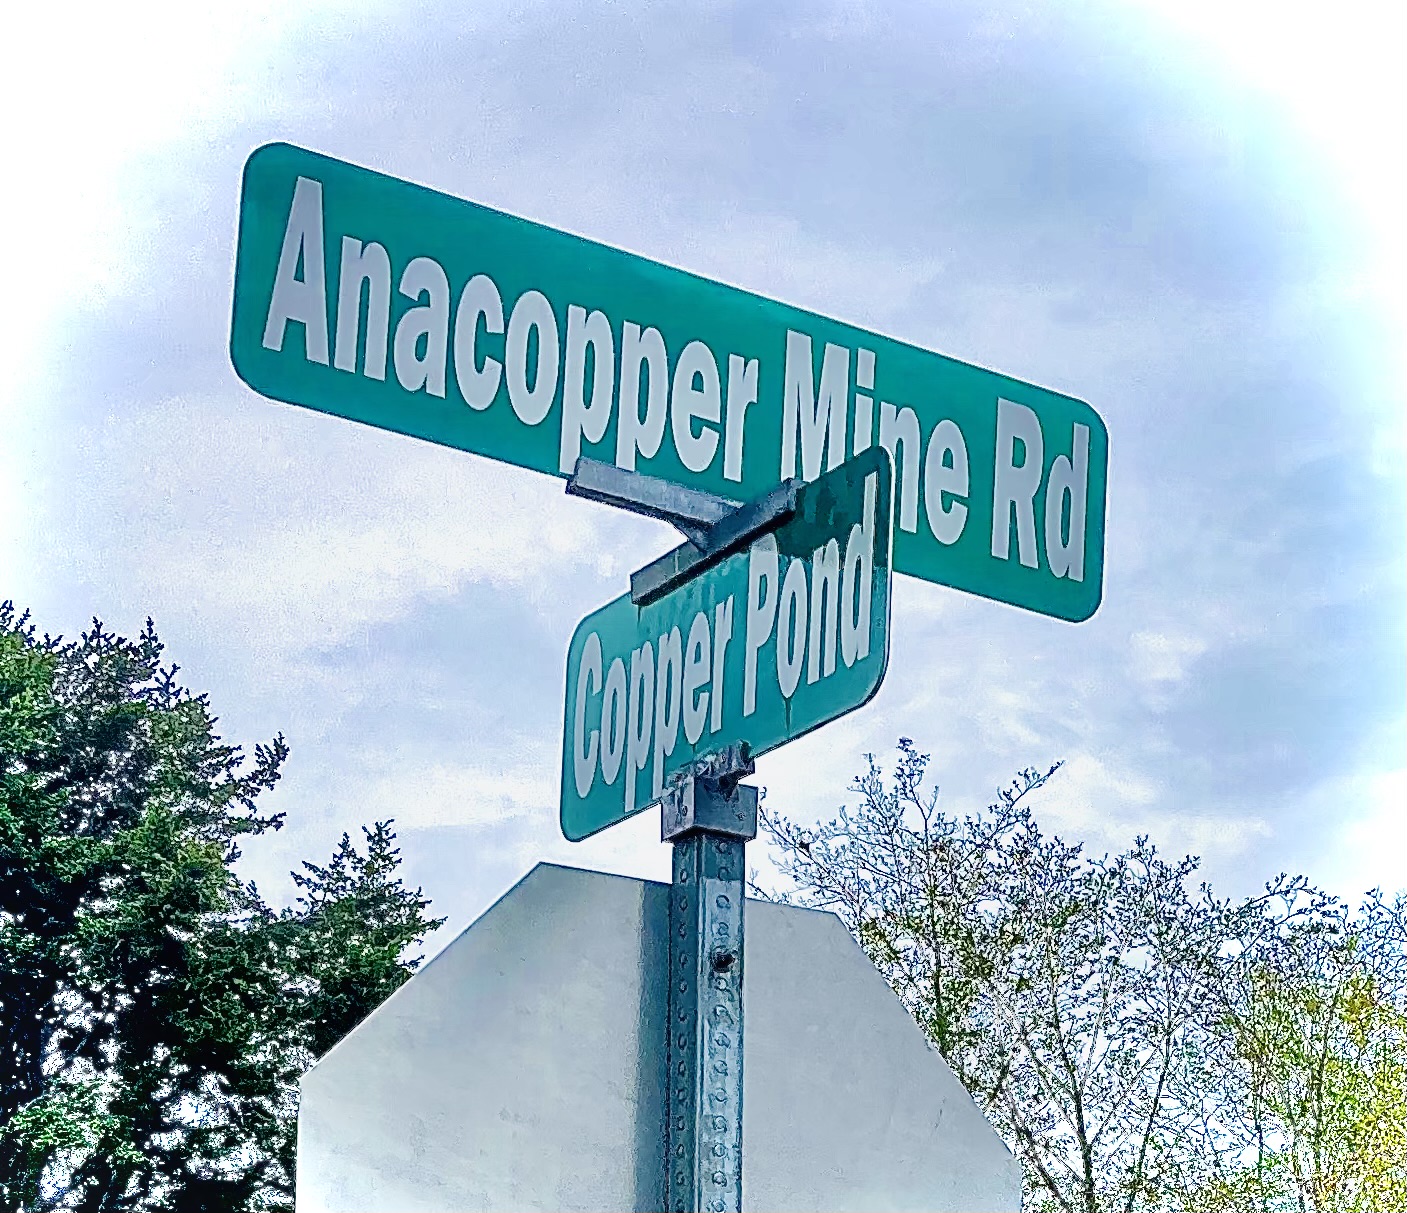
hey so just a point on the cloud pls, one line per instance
(1373, 841)
(1158, 657)
(288, 532)
(1109, 803)
(443, 794)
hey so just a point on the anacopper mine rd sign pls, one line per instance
(374, 299)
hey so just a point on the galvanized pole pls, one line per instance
(709, 817)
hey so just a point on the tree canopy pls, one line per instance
(1142, 1045)
(155, 1012)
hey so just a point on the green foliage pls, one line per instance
(1315, 1051)
(1142, 1046)
(155, 1013)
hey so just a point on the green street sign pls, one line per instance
(762, 647)
(370, 298)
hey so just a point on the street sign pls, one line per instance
(523, 1068)
(761, 647)
(374, 299)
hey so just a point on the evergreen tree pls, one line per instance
(155, 1013)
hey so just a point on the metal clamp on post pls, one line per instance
(709, 797)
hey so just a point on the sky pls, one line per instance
(1187, 214)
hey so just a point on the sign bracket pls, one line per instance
(709, 817)
(693, 511)
(715, 526)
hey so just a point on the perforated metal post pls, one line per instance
(709, 817)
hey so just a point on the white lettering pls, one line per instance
(696, 451)
(899, 432)
(864, 405)
(579, 419)
(1067, 557)
(722, 634)
(857, 581)
(363, 264)
(669, 695)
(614, 725)
(1014, 485)
(791, 628)
(532, 315)
(634, 432)
(819, 418)
(742, 391)
(825, 587)
(639, 717)
(423, 277)
(588, 681)
(945, 471)
(761, 612)
(480, 300)
(697, 658)
(302, 300)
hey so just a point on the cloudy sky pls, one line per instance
(1188, 214)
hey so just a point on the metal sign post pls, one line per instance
(709, 817)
